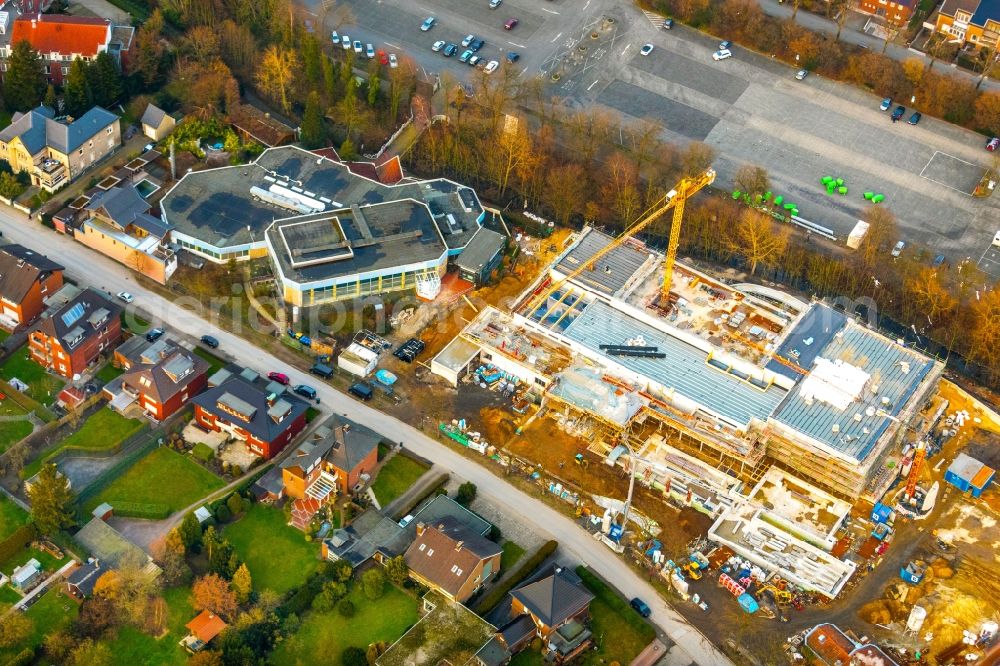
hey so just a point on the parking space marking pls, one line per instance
(550, 11)
(552, 41)
(592, 85)
(393, 45)
(522, 46)
(626, 48)
(586, 5)
(951, 157)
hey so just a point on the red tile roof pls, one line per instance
(206, 626)
(56, 33)
(303, 511)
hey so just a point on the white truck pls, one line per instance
(857, 235)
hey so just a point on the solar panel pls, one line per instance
(72, 315)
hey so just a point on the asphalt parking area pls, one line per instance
(672, 115)
(953, 172)
(692, 74)
(989, 263)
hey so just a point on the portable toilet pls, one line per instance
(881, 514)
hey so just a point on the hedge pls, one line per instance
(148, 511)
(498, 592)
(21, 537)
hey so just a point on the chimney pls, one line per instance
(420, 528)
(271, 399)
(339, 433)
(34, 23)
(458, 546)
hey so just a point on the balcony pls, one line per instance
(50, 173)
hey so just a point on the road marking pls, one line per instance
(555, 38)
(592, 85)
(550, 11)
(626, 49)
(521, 46)
(586, 5)
(393, 45)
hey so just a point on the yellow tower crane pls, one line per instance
(675, 198)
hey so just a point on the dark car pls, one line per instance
(640, 607)
(668, 23)
(305, 391)
(154, 334)
(915, 118)
(209, 341)
(279, 377)
(514, 56)
(321, 370)
(361, 390)
(450, 50)
(938, 261)
(725, 45)
(898, 112)
(476, 44)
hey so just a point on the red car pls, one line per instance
(509, 25)
(383, 58)
(993, 144)
(279, 377)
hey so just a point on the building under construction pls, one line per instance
(709, 387)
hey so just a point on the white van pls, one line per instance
(996, 240)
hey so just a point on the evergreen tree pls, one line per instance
(373, 88)
(242, 584)
(313, 134)
(77, 92)
(50, 98)
(25, 82)
(51, 501)
(190, 531)
(105, 80)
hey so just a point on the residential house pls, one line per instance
(970, 21)
(449, 557)
(60, 38)
(26, 278)
(262, 417)
(111, 548)
(559, 607)
(162, 379)
(369, 536)
(896, 12)
(205, 627)
(118, 224)
(156, 123)
(54, 153)
(340, 449)
(27, 575)
(80, 583)
(69, 340)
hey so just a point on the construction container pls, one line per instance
(857, 235)
(748, 603)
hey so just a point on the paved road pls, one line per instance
(88, 267)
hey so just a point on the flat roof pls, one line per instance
(614, 270)
(895, 373)
(355, 240)
(810, 334)
(685, 368)
(216, 206)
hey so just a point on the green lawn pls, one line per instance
(512, 552)
(278, 555)
(202, 452)
(106, 429)
(3, 334)
(328, 634)
(11, 517)
(8, 597)
(107, 373)
(395, 477)
(625, 633)
(13, 431)
(527, 657)
(49, 614)
(48, 562)
(42, 386)
(214, 362)
(161, 477)
(135, 648)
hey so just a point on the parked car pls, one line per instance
(646, 49)
(801, 74)
(125, 296)
(898, 249)
(495, 3)
(915, 118)
(279, 377)
(491, 66)
(148, 147)
(510, 23)
(305, 391)
(154, 334)
(477, 44)
(438, 45)
(358, 46)
(468, 40)
(993, 144)
(722, 54)
(886, 103)
(321, 370)
(361, 390)
(383, 59)
(427, 24)
(346, 41)
(996, 240)
(668, 23)
(938, 261)
(475, 60)
(513, 56)
(468, 53)
(210, 341)
(335, 37)
(725, 45)
(640, 607)
(393, 63)
(369, 51)
(450, 50)
(898, 112)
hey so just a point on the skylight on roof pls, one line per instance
(73, 315)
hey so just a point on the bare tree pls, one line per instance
(931, 296)
(276, 73)
(506, 152)
(566, 188)
(758, 241)
(696, 158)
(752, 180)
(882, 230)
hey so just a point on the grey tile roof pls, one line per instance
(85, 577)
(247, 398)
(153, 116)
(121, 205)
(30, 127)
(20, 268)
(684, 369)
(82, 129)
(859, 427)
(439, 507)
(74, 317)
(37, 129)
(554, 598)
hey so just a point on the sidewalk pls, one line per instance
(825, 26)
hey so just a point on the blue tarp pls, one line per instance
(383, 376)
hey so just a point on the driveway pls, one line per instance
(88, 267)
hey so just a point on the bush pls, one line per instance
(373, 582)
(466, 493)
(142, 510)
(346, 608)
(498, 592)
(236, 504)
(223, 514)
(353, 656)
(13, 544)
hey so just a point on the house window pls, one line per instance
(430, 551)
(65, 71)
(109, 130)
